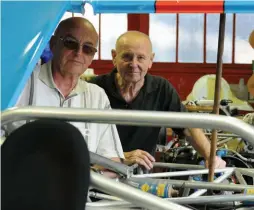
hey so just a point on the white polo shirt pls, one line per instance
(102, 139)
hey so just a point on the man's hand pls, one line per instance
(140, 157)
(219, 163)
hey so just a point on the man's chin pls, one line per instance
(133, 79)
(76, 71)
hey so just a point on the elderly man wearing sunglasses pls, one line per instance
(57, 83)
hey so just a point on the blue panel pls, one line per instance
(26, 29)
(239, 6)
(123, 6)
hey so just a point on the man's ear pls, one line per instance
(151, 60)
(52, 43)
(113, 54)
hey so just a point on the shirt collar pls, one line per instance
(45, 75)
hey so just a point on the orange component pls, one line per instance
(189, 6)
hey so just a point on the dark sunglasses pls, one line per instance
(72, 44)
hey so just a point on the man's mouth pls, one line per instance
(133, 72)
(75, 61)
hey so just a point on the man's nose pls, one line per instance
(79, 51)
(134, 62)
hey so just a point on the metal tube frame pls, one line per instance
(218, 180)
(201, 185)
(184, 200)
(131, 194)
(125, 117)
(192, 184)
(124, 191)
(107, 163)
(194, 198)
(180, 173)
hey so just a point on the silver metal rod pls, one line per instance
(212, 199)
(176, 166)
(109, 164)
(132, 195)
(184, 200)
(246, 171)
(251, 160)
(190, 184)
(104, 204)
(218, 180)
(224, 141)
(186, 190)
(223, 135)
(209, 185)
(240, 178)
(126, 117)
(103, 196)
(187, 166)
(181, 173)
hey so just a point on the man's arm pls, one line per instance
(195, 136)
(202, 145)
(199, 141)
(109, 142)
(109, 147)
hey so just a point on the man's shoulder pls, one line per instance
(158, 81)
(100, 80)
(92, 87)
(95, 95)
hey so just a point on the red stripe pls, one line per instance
(189, 6)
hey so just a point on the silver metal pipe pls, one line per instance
(240, 178)
(132, 195)
(246, 171)
(218, 180)
(223, 135)
(190, 184)
(177, 166)
(184, 200)
(251, 160)
(109, 164)
(209, 185)
(186, 190)
(212, 199)
(104, 204)
(224, 141)
(181, 173)
(126, 117)
(103, 196)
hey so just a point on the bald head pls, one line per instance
(75, 40)
(133, 37)
(74, 22)
(133, 57)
